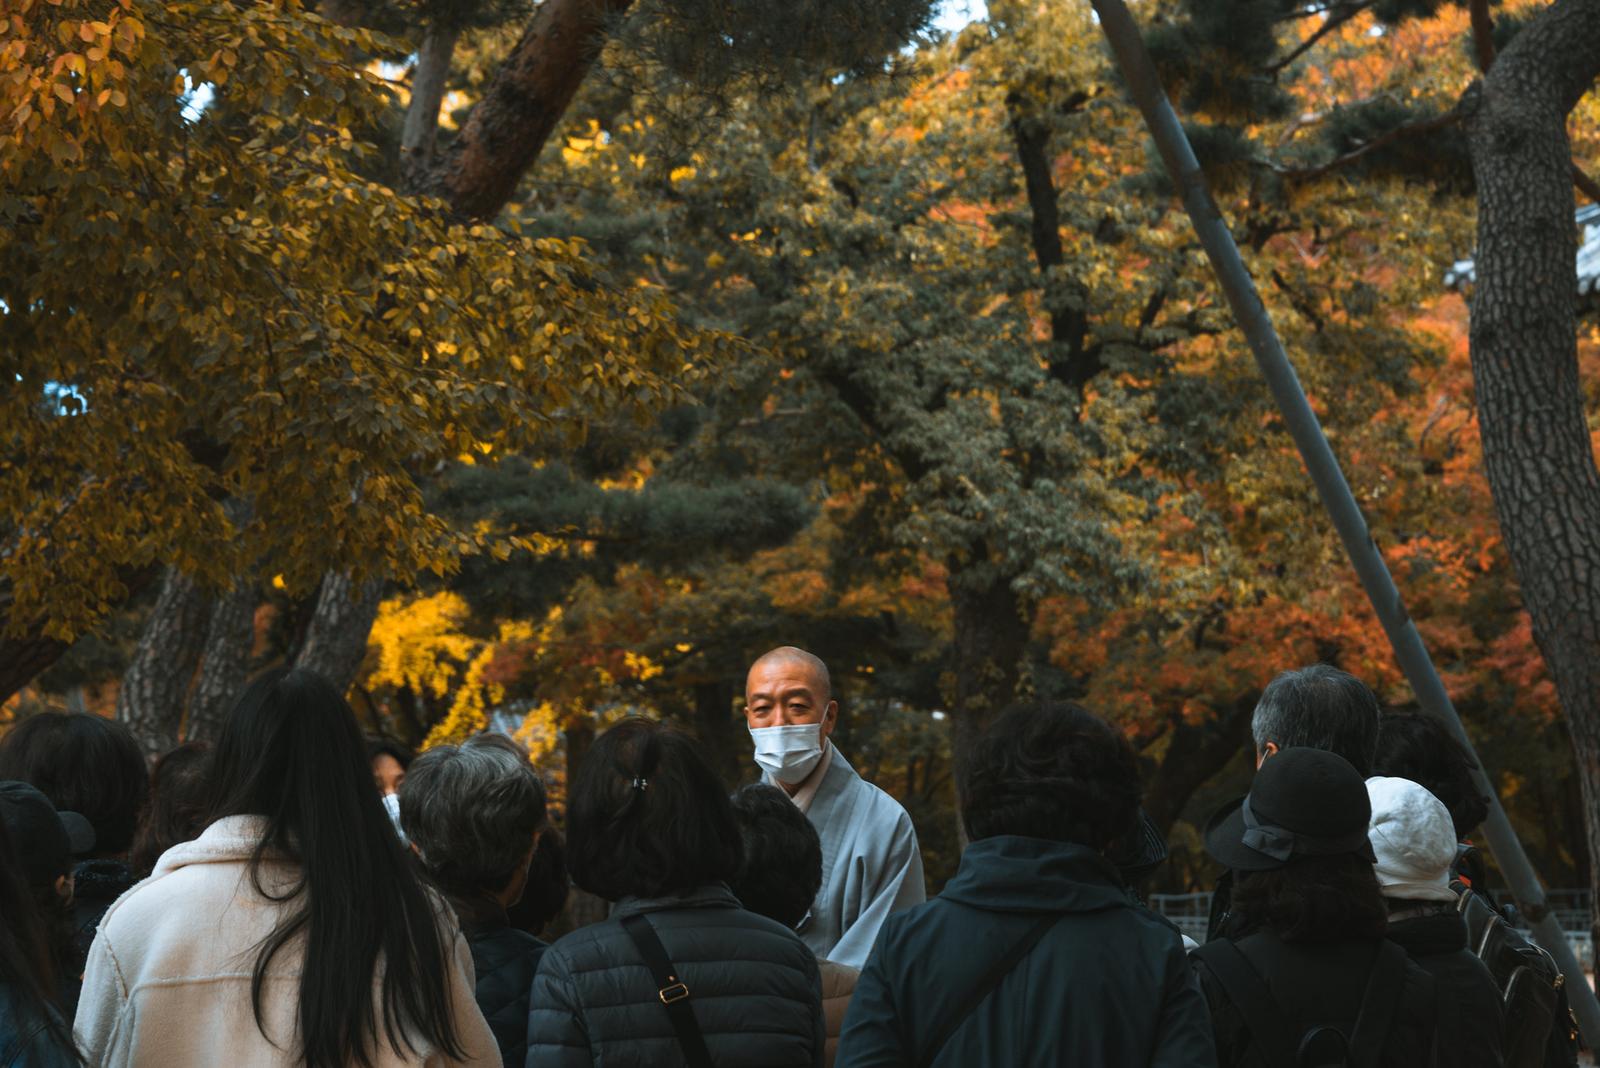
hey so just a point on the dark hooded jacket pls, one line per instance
(753, 986)
(1107, 985)
(1471, 1027)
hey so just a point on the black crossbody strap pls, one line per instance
(1249, 994)
(1379, 1005)
(670, 989)
(985, 986)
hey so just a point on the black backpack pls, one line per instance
(1320, 1047)
(1540, 1030)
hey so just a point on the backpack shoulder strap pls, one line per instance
(671, 990)
(1380, 1004)
(1247, 991)
(1002, 967)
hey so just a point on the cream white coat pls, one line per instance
(168, 979)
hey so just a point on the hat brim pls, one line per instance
(1141, 851)
(80, 832)
(1225, 842)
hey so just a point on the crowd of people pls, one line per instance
(297, 894)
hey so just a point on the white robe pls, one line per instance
(870, 864)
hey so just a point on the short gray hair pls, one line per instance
(1320, 707)
(472, 811)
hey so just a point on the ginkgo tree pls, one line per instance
(198, 309)
(235, 296)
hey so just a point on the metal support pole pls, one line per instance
(1176, 152)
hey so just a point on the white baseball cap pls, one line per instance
(1413, 839)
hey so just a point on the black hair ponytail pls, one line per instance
(291, 752)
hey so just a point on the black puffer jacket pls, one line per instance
(1471, 1024)
(504, 960)
(753, 985)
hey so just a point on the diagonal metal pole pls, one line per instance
(1145, 86)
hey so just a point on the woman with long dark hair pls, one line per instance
(294, 930)
(32, 1031)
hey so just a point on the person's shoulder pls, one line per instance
(879, 802)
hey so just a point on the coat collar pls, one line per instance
(709, 896)
(227, 841)
(1011, 873)
(838, 778)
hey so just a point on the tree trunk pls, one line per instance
(225, 663)
(336, 639)
(1194, 754)
(991, 637)
(526, 99)
(156, 684)
(422, 116)
(721, 731)
(22, 659)
(1536, 444)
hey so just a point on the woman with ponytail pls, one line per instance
(680, 973)
(294, 930)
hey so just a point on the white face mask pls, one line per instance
(790, 753)
(391, 805)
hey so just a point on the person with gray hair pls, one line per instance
(1315, 707)
(473, 814)
(1318, 707)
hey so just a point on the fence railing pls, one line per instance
(1189, 913)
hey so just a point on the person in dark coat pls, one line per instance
(92, 765)
(1414, 839)
(1307, 977)
(473, 814)
(650, 829)
(1036, 953)
(779, 879)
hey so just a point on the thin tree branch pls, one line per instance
(1449, 118)
(1334, 20)
(1483, 34)
(1585, 184)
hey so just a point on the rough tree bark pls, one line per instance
(336, 640)
(527, 97)
(1536, 443)
(224, 662)
(422, 114)
(156, 684)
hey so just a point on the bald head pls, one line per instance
(788, 686)
(795, 657)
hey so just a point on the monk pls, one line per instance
(871, 866)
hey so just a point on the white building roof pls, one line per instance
(1462, 273)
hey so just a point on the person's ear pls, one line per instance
(830, 718)
(65, 885)
(1270, 749)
